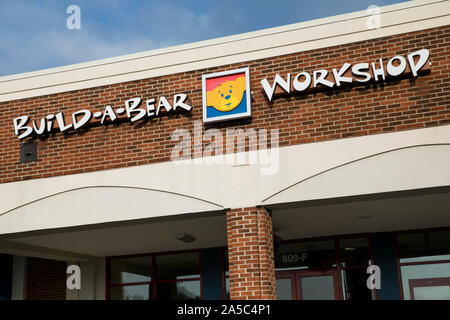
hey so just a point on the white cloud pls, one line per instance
(33, 34)
(41, 40)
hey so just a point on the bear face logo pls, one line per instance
(226, 95)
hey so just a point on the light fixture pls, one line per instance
(183, 236)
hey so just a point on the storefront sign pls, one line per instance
(360, 73)
(82, 118)
(226, 95)
(294, 257)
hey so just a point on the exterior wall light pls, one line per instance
(185, 237)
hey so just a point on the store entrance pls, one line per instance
(308, 285)
(321, 269)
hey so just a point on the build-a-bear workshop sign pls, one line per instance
(358, 74)
(226, 95)
(134, 110)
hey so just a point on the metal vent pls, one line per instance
(28, 151)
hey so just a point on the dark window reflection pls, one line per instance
(424, 246)
(129, 270)
(177, 266)
(354, 285)
(354, 252)
(306, 255)
(186, 290)
(137, 292)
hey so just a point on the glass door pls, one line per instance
(430, 289)
(317, 285)
(286, 287)
(308, 285)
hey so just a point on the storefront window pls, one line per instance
(186, 290)
(131, 270)
(306, 255)
(177, 266)
(132, 292)
(354, 285)
(424, 246)
(165, 276)
(425, 265)
(322, 269)
(354, 258)
(354, 252)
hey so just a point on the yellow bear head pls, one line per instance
(227, 95)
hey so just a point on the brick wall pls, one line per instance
(250, 254)
(46, 279)
(357, 111)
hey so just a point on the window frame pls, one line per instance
(402, 264)
(154, 282)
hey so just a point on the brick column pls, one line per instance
(250, 254)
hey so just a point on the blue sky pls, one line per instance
(33, 34)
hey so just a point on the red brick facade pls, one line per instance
(251, 254)
(357, 111)
(45, 279)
